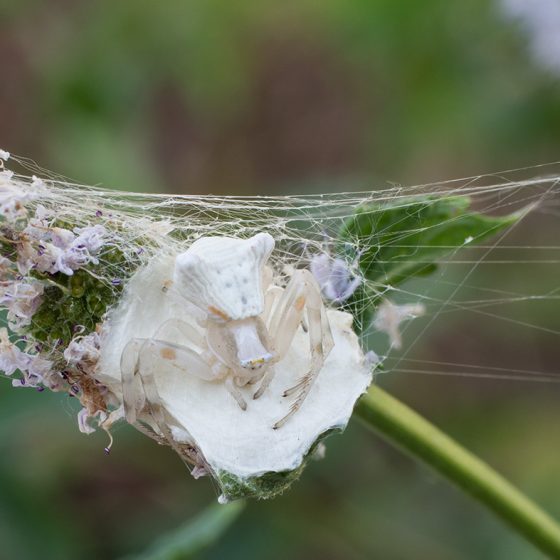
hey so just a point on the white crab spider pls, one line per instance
(246, 325)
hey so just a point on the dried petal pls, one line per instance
(389, 316)
(335, 277)
(21, 298)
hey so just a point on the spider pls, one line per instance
(246, 324)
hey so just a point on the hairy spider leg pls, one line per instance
(302, 294)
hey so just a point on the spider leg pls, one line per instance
(133, 396)
(140, 356)
(235, 392)
(265, 382)
(200, 364)
(177, 356)
(302, 293)
(147, 368)
(276, 307)
(278, 304)
(272, 296)
(147, 363)
(286, 315)
(187, 332)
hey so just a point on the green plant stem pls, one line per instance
(408, 430)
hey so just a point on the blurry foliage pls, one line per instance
(261, 97)
(229, 97)
(196, 534)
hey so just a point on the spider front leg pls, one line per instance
(301, 294)
(272, 297)
(141, 357)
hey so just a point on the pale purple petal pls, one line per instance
(320, 266)
(334, 277)
(21, 298)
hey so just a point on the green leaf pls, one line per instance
(407, 239)
(197, 534)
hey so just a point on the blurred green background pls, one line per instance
(251, 97)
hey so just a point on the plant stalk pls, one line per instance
(406, 429)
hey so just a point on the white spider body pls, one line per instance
(223, 276)
(246, 324)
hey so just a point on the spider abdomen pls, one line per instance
(223, 276)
